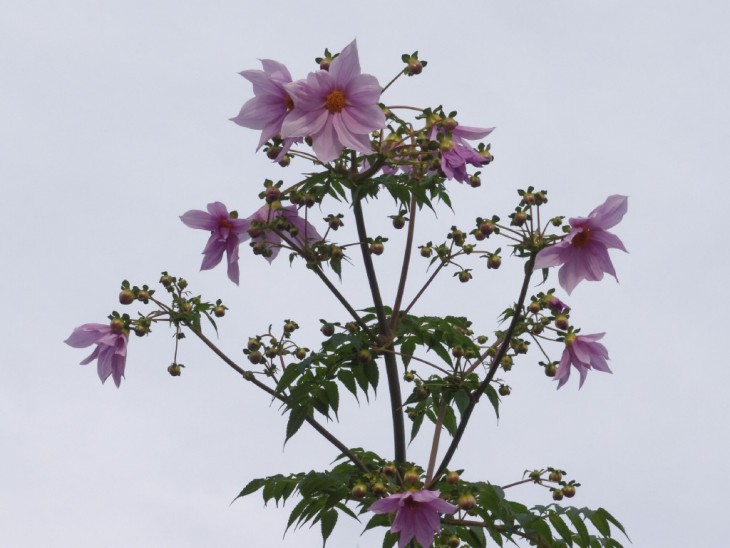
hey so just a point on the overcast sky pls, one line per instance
(114, 121)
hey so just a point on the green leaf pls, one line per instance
(416, 426)
(298, 509)
(599, 522)
(333, 395)
(462, 400)
(378, 520)
(493, 398)
(348, 379)
(290, 373)
(437, 347)
(329, 520)
(580, 527)
(560, 526)
(373, 374)
(407, 349)
(252, 486)
(613, 520)
(476, 537)
(389, 540)
(450, 421)
(361, 378)
(296, 419)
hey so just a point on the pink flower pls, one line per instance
(225, 236)
(456, 152)
(337, 108)
(584, 251)
(584, 353)
(305, 233)
(111, 347)
(271, 102)
(416, 515)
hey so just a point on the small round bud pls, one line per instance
(324, 64)
(569, 491)
(352, 327)
(486, 228)
(334, 222)
(452, 478)
(273, 194)
(253, 344)
(409, 376)
(309, 200)
(296, 197)
(359, 490)
(534, 307)
(449, 124)
(327, 329)
(551, 369)
(561, 322)
(364, 356)
(117, 325)
(285, 161)
(272, 152)
(272, 352)
(478, 236)
(219, 311)
(412, 476)
(453, 541)
(377, 248)
(174, 369)
(414, 67)
(143, 296)
(126, 296)
(255, 357)
(467, 501)
(464, 276)
(558, 494)
(481, 339)
(186, 307)
(412, 414)
(141, 330)
(379, 489)
(389, 469)
(494, 261)
(475, 181)
(457, 352)
(555, 475)
(336, 252)
(290, 327)
(399, 221)
(519, 218)
(426, 251)
(166, 280)
(504, 390)
(421, 392)
(301, 353)
(182, 283)
(259, 248)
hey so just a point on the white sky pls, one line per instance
(114, 122)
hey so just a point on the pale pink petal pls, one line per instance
(607, 239)
(326, 145)
(199, 219)
(346, 65)
(87, 334)
(610, 212)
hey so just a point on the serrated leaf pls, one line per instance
(407, 349)
(296, 419)
(329, 520)
(599, 522)
(378, 520)
(389, 540)
(613, 520)
(476, 537)
(583, 539)
(440, 350)
(290, 373)
(373, 374)
(450, 421)
(252, 486)
(348, 379)
(361, 378)
(462, 400)
(333, 395)
(416, 426)
(561, 527)
(493, 398)
(298, 509)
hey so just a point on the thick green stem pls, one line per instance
(391, 365)
(395, 318)
(477, 393)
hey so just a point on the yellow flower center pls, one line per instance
(570, 339)
(582, 238)
(225, 223)
(335, 101)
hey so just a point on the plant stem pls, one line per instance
(250, 378)
(477, 393)
(436, 438)
(395, 317)
(391, 366)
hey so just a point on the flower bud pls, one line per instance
(399, 221)
(494, 261)
(182, 283)
(364, 356)
(255, 357)
(219, 311)
(327, 329)
(426, 251)
(285, 161)
(569, 491)
(272, 152)
(519, 218)
(414, 67)
(309, 200)
(141, 330)
(334, 222)
(166, 280)
(272, 352)
(301, 353)
(412, 476)
(557, 494)
(259, 248)
(359, 490)
(452, 478)
(561, 322)
(296, 197)
(551, 369)
(352, 327)
(143, 296)
(467, 501)
(379, 489)
(449, 124)
(534, 307)
(186, 307)
(486, 228)
(409, 376)
(336, 252)
(174, 369)
(126, 296)
(253, 344)
(453, 541)
(555, 475)
(377, 248)
(504, 390)
(457, 352)
(117, 325)
(290, 327)
(475, 181)
(273, 194)
(464, 276)
(389, 469)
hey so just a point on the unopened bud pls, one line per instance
(126, 297)
(117, 325)
(359, 490)
(273, 194)
(452, 478)
(219, 311)
(561, 322)
(327, 329)
(494, 261)
(255, 357)
(174, 369)
(467, 501)
(412, 476)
